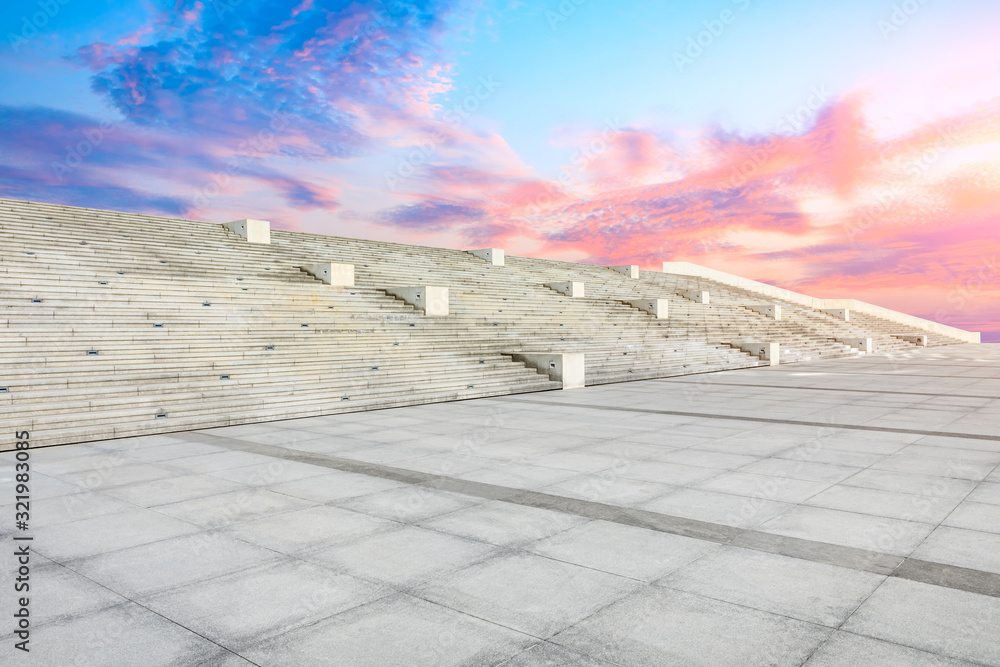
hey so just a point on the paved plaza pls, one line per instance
(843, 512)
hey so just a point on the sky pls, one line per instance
(843, 150)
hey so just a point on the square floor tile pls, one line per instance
(503, 524)
(153, 567)
(813, 592)
(410, 503)
(404, 558)
(226, 509)
(862, 531)
(102, 534)
(973, 549)
(931, 618)
(845, 648)
(335, 485)
(172, 490)
(660, 626)
(124, 635)
(927, 508)
(714, 507)
(249, 606)
(627, 551)
(528, 593)
(975, 516)
(312, 527)
(397, 630)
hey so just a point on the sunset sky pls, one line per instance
(847, 149)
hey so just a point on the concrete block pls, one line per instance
(566, 367)
(332, 274)
(655, 307)
(254, 231)
(863, 344)
(920, 340)
(571, 289)
(492, 256)
(766, 351)
(772, 310)
(840, 313)
(431, 299)
(630, 270)
(699, 296)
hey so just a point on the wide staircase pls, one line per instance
(118, 324)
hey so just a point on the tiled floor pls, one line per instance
(835, 513)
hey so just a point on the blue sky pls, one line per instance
(582, 129)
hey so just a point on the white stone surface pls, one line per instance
(658, 308)
(254, 231)
(341, 275)
(432, 299)
(766, 351)
(772, 310)
(568, 368)
(694, 270)
(698, 296)
(572, 289)
(839, 313)
(494, 256)
(918, 340)
(862, 344)
(630, 270)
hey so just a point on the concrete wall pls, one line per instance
(695, 271)
(494, 256)
(431, 299)
(770, 352)
(658, 308)
(341, 275)
(254, 231)
(567, 368)
(630, 270)
(571, 289)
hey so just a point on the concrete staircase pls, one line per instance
(116, 324)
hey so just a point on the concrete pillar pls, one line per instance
(566, 367)
(431, 299)
(332, 274)
(655, 307)
(839, 313)
(254, 231)
(772, 310)
(570, 289)
(766, 351)
(919, 340)
(630, 270)
(494, 256)
(700, 296)
(863, 344)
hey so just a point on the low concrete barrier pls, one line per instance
(630, 270)
(565, 367)
(494, 256)
(696, 271)
(570, 289)
(699, 296)
(770, 310)
(862, 344)
(658, 308)
(254, 231)
(431, 299)
(839, 313)
(770, 352)
(918, 340)
(341, 275)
